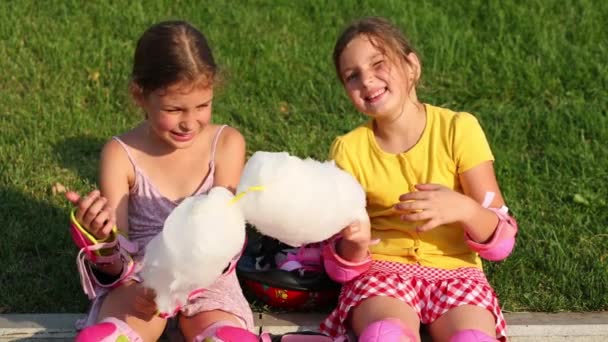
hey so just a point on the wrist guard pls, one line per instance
(115, 248)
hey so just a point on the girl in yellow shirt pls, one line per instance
(433, 201)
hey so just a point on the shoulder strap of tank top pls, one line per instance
(215, 139)
(124, 147)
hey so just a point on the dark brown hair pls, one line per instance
(170, 52)
(385, 36)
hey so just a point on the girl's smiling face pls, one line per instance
(377, 83)
(178, 113)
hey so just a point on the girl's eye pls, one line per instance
(351, 77)
(379, 63)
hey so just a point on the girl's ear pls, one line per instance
(414, 69)
(137, 94)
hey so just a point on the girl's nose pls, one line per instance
(186, 125)
(367, 78)
(188, 120)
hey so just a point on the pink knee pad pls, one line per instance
(387, 330)
(472, 335)
(108, 330)
(225, 331)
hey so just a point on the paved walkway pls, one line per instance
(523, 327)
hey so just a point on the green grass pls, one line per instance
(534, 72)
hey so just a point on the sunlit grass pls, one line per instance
(534, 73)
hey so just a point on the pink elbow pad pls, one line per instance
(502, 242)
(339, 269)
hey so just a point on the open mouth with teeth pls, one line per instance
(376, 95)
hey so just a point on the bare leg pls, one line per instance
(119, 304)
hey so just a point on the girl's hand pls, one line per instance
(93, 213)
(435, 204)
(355, 241)
(144, 303)
(358, 233)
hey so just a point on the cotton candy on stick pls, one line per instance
(298, 201)
(199, 239)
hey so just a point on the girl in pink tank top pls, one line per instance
(176, 152)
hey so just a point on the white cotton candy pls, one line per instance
(302, 201)
(199, 239)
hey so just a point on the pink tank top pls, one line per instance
(148, 208)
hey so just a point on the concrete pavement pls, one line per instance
(523, 327)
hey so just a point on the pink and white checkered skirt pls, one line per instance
(430, 291)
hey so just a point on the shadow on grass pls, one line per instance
(81, 155)
(37, 258)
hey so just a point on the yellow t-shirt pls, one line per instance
(451, 143)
